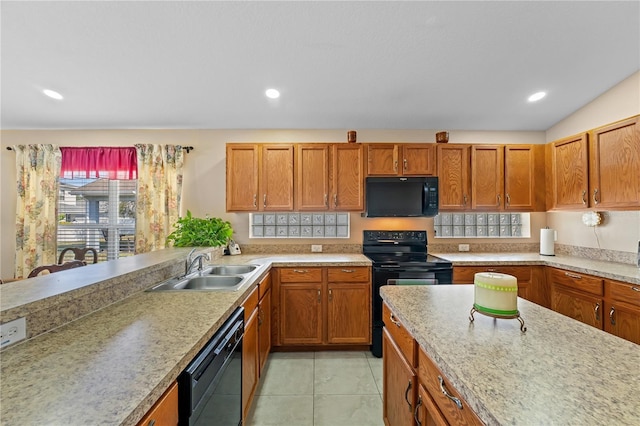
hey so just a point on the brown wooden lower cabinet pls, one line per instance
(622, 310)
(578, 296)
(413, 385)
(165, 411)
(322, 306)
(250, 352)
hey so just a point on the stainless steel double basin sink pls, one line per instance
(212, 278)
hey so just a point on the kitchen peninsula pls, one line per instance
(110, 366)
(559, 371)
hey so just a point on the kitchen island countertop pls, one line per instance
(559, 371)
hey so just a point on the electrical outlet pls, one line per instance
(12, 332)
(463, 247)
(316, 248)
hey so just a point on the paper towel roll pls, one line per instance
(547, 239)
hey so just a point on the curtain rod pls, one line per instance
(186, 148)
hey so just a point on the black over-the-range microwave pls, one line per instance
(401, 196)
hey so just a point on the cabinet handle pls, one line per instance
(508, 198)
(405, 164)
(330, 296)
(255, 200)
(152, 422)
(596, 311)
(318, 296)
(595, 196)
(335, 200)
(395, 166)
(635, 288)
(348, 271)
(326, 200)
(301, 271)
(612, 319)
(491, 269)
(447, 394)
(464, 200)
(498, 200)
(406, 395)
(415, 412)
(570, 275)
(259, 316)
(584, 197)
(264, 200)
(393, 320)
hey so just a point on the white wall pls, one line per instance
(620, 230)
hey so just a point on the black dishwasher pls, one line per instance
(210, 388)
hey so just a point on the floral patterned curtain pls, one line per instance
(38, 170)
(159, 194)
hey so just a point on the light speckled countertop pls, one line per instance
(616, 271)
(109, 367)
(559, 372)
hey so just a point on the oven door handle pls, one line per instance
(387, 242)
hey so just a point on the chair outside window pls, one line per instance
(79, 253)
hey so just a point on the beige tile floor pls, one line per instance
(319, 389)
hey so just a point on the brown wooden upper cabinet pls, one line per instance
(599, 169)
(413, 159)
(259, 177)
(570, 172)
(614, 177)
(329, 177)
(453, 176)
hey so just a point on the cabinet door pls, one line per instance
(623, 321)
(347, 178)
(579, 306)
(242, 177)
(312, 177)
(349, 313)
(382, 159)
(487, 177)
(570, 172)
(264, 328)
(249, 361)
(399, 385)
(427, 412)
(418, 159)
(300, 313)
(615, 161)
(519, 178)
(523, 274)
(453, 177)
(276, 179)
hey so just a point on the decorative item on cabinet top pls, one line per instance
(442, 137)
(299, 225)
(482, 225)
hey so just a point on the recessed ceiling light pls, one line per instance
(536, 96)
(272, 94)
(52, 94)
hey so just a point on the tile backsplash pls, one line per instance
(299, 225)
(482, 225)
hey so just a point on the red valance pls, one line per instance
(99, 162)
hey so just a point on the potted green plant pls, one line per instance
(200, 232)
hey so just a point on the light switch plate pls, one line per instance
(463, 247)
(316, 248)
(12, 332)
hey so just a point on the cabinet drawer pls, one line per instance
(623, 292)
(457, 413)
(349, 274)
(264, 285)
(466, 274)
(577, 281)
(400, 335)
(250, 303)
(301, 275)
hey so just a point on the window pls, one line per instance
(97, 201)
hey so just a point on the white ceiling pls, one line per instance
(338, 65)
